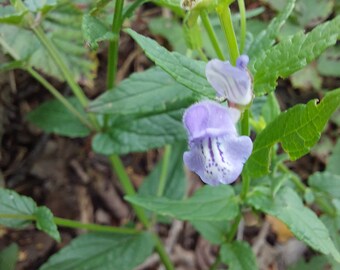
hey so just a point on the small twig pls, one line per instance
(174, 232)
(261, 238)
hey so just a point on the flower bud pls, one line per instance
(231, 83)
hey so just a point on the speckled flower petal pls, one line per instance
(218, 160)
(232, 83)
(208, 118)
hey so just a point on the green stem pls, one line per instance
(92, 227)
(59, 97)
(325, 205)
(128, 187)
(224, 15)
(129, 190)
(114, 44)
(295, 179)
(164, 170)
(245, 186)
(162, 253)
(245, 130)
(77, 91)
(211, 33)
(233, 229)
(243, 24)
(62, 222)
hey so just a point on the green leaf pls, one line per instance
(208, 203)
(266, 38)
(213, 231)
(315, 263)
(334, 160)
(149, 92)
(312, 12)
(141, 134)
(297, 129)
(171, 30)
(8, 14)
(188, 72)
(292, 54)
(11, 203)
(288, 207)
(17, 211)
(326, 182)
(52, 116)
(238, 256)
(176, 181)
(102, 252)
(40, 5)
(329, 62)
(45, 222)
(63, 26)
(95, 31)
(9, 257)
(271, 108)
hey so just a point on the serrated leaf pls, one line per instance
(95, 31)
(238, 256)
(326, 182)
(11, 203)
(148, 92)
(63, 26)
(52, 116)
(297, 129)
(266, 38)
(18, 211)
(9, 257)
(176, 183)
(188, 72)
(208, 203)
(8, 14)
(213, 231)
(102, 252)
(329, 62)
(288, 207)
(141, 134)
(45, 222)
(291, 54)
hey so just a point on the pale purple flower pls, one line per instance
(217, 154)
(232, 83)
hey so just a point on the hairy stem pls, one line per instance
(59, 97)
(62, 222)
(224, 15)
(53, 52)
(77, 91)
(211, 33)
(114, 45)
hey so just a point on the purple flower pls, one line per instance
(217, 153)
(232, 83)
